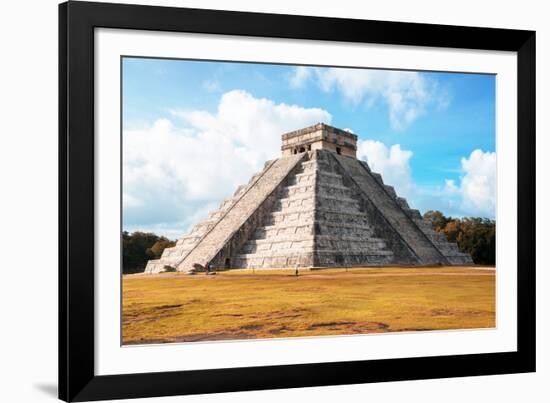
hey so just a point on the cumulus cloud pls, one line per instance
(300, 76)
(477, 187)
(178, 169)
(474, 194)
(407, 94)
(211, 85)
(393, 163)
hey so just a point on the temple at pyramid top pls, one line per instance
(319, 137)
(317, 206)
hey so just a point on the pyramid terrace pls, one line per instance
(317, 206)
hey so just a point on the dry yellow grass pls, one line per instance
(173, 307)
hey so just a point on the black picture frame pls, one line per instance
(77, 379)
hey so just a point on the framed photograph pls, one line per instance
(257, 201)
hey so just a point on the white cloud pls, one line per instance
(174, 175)
(300, 76)
(211, 85)
(474, 194)
(477, 188)
(407, 95)
(393, 163)
(450, 186)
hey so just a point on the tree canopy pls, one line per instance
(473, 235)
(140, 247)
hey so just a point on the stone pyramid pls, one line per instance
(316, 206)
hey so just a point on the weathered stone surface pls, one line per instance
(318, 208)
(319, 137)
(373, 188)
(237, 219)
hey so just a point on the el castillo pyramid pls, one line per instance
(316, 206)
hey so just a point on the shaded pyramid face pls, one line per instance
(311, 209)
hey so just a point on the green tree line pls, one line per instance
(473, 235)
(140, 247)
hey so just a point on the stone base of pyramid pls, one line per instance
(315, 209)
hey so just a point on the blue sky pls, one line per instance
(431, 135)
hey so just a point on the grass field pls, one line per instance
(173, 307)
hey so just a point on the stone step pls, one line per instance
(216, 214)
(240, 190)
(292, 210)
(296, 216)
(187, 240)
(300, 188)
(273, 262)
(391, 191)
(322, 189)
(333, 259)
(436, 237)
(304, 203)
(308, 180)
(448, 249)
(320, 238)
(378, 252)
(304, 176)
(287, 246)
(297, 197)
(202, 227)
(283, 238)
(322, 224)
(327, 174)
(378, 178)
(342, 233)
(314, 164)
(372, 187)
(324, 211)
(305, 230)
(227, 203)
(415, 215)
(223, 234)
(365, 165)
(334, 203)
(187, 243)
(325, 227)
(330, 181)
(340, 230)
(326, 258)
(336, 191)
(275, 253)
(321, 202)
(462, 259)
(315, 209)
(300, 241)
(352, 242)
(177, 251)
(282, 229)
(402, 202)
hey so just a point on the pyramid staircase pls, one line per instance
(417, 234)
(311, 209)
(315, 222)
(225, 227)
